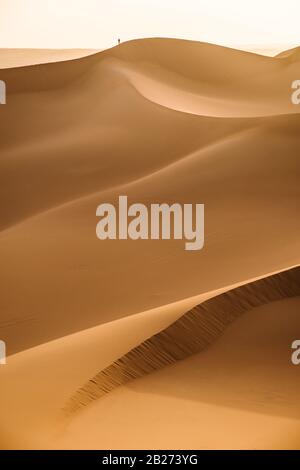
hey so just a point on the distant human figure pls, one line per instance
(119, 41)
(2, 92)
(2, 353)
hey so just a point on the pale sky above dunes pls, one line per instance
(249, 24)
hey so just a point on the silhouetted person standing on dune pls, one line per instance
(119, 41)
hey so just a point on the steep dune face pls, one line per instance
(241, 393)
(91, 143)
(207, 80)
(192, 333)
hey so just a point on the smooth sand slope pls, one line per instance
(22, 57)
(49, 370)
(159, 121)
(241, 393)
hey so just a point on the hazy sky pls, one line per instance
(98, 23)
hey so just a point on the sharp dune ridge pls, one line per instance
(247, 128)
(192, 333)
(283, 123)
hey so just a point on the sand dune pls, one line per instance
(23, 57)
(160, 121)
(241, 393)
(82, 292)
(291, 55)
(192, 333)
(92, 136)
(44, 423)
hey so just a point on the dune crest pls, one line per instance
(189, 335)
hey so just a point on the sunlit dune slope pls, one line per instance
(30, 422)
(24, 57)
(241, 393)
(192, 333)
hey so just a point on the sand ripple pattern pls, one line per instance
(192, 333)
